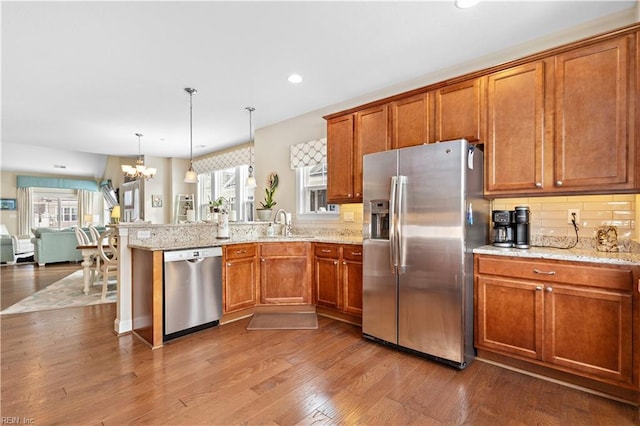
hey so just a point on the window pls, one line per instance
(227, 183)
(55, 208)
(312, 190)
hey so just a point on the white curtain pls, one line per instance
(25, 210)
(85, 205)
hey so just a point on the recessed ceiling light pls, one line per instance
(466, 4)
(295, 78)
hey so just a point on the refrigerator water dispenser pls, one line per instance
(379, 219)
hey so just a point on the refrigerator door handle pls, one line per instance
(402, 255)
(393, 257)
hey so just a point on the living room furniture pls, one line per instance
(22, 247)
(51, 245)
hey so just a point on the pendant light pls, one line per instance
(190, 176)
(139, 170)
(251, 180)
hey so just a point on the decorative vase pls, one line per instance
(264, 215)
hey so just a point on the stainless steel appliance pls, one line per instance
(503, 227)
(192, 290)
(424, 212)
(521, 227)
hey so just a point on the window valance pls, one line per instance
(224, 160)
(309, 153)
(47, 182)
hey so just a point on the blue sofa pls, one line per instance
(51, 246)
(6, 249)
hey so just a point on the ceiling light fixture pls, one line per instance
(190, 176)
(466, 4)
(251, 180)
(295, 78)
(139, 170)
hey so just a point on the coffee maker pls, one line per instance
(521, 238)
(503, 228)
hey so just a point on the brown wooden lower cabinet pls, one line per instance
(240, 275)
(580, 319)
(338, 278)
(285, 273)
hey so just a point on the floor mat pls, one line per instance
(66, 293)
(284, 321)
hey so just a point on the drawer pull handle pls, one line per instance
(356, 253)
(240, 251)
(326, 251)
(537, 271)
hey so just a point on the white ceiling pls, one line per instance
(85, 76)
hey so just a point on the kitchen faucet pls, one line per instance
(286, 228)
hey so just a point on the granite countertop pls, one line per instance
(274, 239)
(577, 255)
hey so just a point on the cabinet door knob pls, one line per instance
(228, 263)
(538, 184)
(559, 183)
(539, 288)
(262, 259)
(537, 271)
(335, 262)
(344, 263)
(548, 289)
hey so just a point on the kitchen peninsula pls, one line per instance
(141, 250)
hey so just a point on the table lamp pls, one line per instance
(115, 214)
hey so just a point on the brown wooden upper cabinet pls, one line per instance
(372, 135)
(340, 170)
(458, 111)
(563, 124)
(515, 133)
(411, 120)
(349, 137)
(594, 135)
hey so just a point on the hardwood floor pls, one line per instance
(22, 280)
(67, 367)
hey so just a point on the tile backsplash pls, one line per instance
(549, 214)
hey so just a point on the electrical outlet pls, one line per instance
(144, 234)
(348, 216)
(570, 214)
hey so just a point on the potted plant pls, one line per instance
(218, 206)
(264, 212)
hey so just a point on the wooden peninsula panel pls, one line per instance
(147, 276)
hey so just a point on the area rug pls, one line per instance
(284, 321)
(66, 293)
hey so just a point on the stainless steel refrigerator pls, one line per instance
(424, 213)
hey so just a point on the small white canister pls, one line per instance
(223, 226)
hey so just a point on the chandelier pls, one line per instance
(139, 170)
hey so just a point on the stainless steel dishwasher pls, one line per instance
(192, 290)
